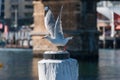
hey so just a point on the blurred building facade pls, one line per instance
(14, 15)
(108, 14)
(108, 23)
(17, 11)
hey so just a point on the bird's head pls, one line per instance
(46, 9)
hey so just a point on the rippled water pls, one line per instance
(16, 64)
(20, 65)
(109, 65)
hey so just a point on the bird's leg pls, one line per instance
(60, 48)
(64, 48)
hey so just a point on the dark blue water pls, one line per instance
(15, 64)
(20, 65)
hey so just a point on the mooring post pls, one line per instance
(57, 65)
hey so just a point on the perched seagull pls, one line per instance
(54, 29)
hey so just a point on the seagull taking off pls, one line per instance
(54, 29)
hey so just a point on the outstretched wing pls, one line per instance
(58, 26)
(49, 22)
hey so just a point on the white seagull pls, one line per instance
(54, 29)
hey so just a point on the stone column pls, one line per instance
(88, 30)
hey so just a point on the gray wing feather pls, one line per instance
(58, 26)
(50, 22)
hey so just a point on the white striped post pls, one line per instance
(57, 65)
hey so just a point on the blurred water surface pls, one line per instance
(19, 64)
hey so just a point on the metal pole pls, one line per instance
(104, 42)
(112, 24)
(15, 25)
(0, 7)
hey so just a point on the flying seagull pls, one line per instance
(54, 28)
